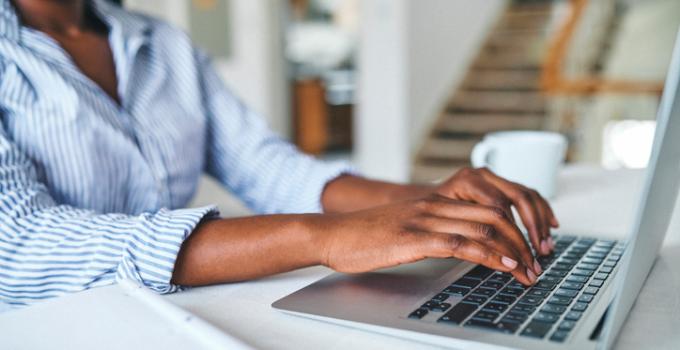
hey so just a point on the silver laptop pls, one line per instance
(581, 300)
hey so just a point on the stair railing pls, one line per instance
(567, 67)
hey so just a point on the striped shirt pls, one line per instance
(91, 191)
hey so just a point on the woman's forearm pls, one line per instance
(351, 193)
(228, 250)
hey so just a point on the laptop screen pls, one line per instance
(655, 207)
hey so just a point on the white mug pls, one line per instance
(531, 158)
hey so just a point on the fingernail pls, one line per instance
(510, 263)
(551, 242)
(531, 275)
(537, 267)
(545, 247)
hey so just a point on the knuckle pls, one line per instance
(524, 195)
(498, 214)
(501, 202)
(454, 242)
(487, 232)
(466, 172)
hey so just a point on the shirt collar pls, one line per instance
(131, 25)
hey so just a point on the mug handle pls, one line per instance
(480, 155)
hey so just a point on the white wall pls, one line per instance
(411, 55)
(256, 69)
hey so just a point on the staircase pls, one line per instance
(500, 91)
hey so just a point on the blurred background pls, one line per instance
(406, 88)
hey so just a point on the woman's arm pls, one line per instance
(381, 232)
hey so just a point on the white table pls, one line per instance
(590, 201)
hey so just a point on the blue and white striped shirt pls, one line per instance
(92, 191)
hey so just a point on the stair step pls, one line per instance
(484, 123)
(427, 172)
(446, 148)
(526, 59)
(481, 79)
(506, 102)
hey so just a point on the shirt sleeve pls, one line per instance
(48, 249)
(268, 173)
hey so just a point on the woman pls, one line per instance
(109, 118)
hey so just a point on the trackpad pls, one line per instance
(383, 292)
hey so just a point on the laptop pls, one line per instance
(580, 301)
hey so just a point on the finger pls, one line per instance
(445, 207)
(540, 205)
(522, 199)
(480, 191)
(459, 247)
(484, 234)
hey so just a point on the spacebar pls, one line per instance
(458, 313)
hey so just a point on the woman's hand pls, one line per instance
(484, 187)
(432, 227)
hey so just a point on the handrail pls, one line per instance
(554, 82)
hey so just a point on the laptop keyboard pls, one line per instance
(551, 308)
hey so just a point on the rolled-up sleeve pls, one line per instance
(268, 173)
(48, 249)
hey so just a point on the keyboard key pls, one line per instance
(512, 291)
(569, 261)
(593, 261)
(591, 290)
(601, 276)
(559, 336)
(516, 316)
(457, 291)
(485, 291)
(429, 305)
(606, 269)
(466, 282)
(546, 317)
(579, 306)
(504, 299)
(569, 293)
(596, 283)
(458, 313)
(550, 279)
(573, 315)
(562, 266)
(480, 324)
(609, 263)
(566, 325)
(479, 273)
(572, 285)
(581, 272)
(536, 329)
(493, 284)
(554, 309)
(586, 298)
(585, 266)
(548, 286)
(501, 277)
(475, 299)
(530, 300)
(440, 297)
(560, 300)
(441, 307)
(542, 293)
(495, 306)
(556, 273)
(507, 326)
(486, 315)
(526, 308)
(418, 314)
(579, 279)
